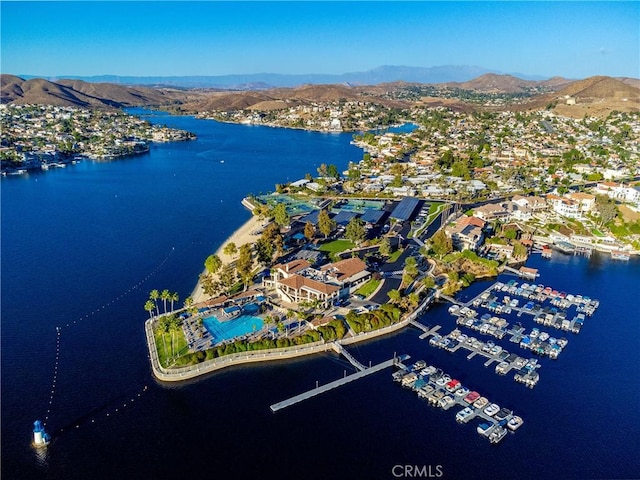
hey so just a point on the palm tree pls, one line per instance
(162, 328)
(149, 306)
(394, 295)
(230, 249)
(165, 296)
(174, 325)
(154, 295)
(173, 298)
(188, 302)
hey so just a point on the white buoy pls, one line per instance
(40, 437)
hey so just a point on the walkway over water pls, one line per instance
(337, 383)
(341, 350)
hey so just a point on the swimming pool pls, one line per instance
(221, 331)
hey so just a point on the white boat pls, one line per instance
(481, 402)
(497, 434)
(492, 409)
(485, 428)
(462, 392)
(464, 414)
(620, 255)
(514, 423)
(446, 402)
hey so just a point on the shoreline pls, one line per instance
(243, 234)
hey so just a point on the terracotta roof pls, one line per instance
(345, 268)
(528, 270)
(581, 196)
(293, 266)
(298, 282)
(475, 221)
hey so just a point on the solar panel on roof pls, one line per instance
(404, 210)
(372, 216)
(312, 217)
(343, 217)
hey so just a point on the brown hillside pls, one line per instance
(226, 101)
(6, 79)
(44, 92)
(279, 97)
(594, 96)
(599, 88)
(118, 94)
(490, 83)
(634, 82)
(82, 94)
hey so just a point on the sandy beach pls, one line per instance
(241, 236)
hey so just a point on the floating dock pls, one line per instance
(337, 383)
(439, 389)
(526, 369)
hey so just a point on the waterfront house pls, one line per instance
(467, 233)
(297, 281)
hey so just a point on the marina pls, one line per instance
(525, 369)
(548, 306)
(440, 390)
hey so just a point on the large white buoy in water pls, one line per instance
(40, 437)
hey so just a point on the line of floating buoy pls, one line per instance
(118, 408)
(40, 425)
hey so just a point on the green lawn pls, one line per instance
(335, 247)
(179, 345)
(395, 255)
(597, 232)
(368, 288)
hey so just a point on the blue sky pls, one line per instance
(570, 39)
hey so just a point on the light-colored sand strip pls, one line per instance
(244, 234)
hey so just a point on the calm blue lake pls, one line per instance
(83, 246)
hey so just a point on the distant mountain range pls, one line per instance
(591, 96)
(263, 81)
(83, 94)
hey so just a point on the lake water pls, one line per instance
(83, 246)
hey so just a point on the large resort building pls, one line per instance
(297, 281)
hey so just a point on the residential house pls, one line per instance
(586, 201)
(564, 206)
(491, 211)
(467, 233)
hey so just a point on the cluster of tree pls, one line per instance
(225, 274)
(405, 302)
(328, 171)
(246, 346)
(606, 208)
(333, 330)
(385, 247)
(440, 244)
(386, 315)
(270, 244)
(168, 324)
(410, 271)
(355, 231)
(165, 296)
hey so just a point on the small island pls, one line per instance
(40, 137)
